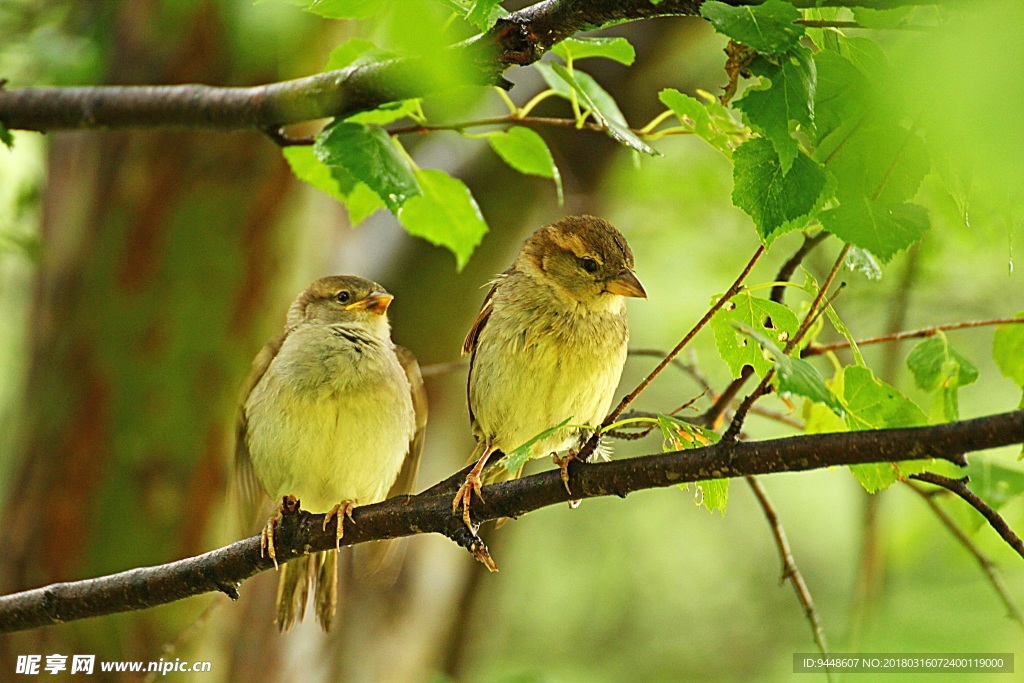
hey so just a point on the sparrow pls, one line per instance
(332, 415)
(549, 344)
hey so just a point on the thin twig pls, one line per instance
(959, 487)
(777, 416)
(812, 314)
(818, 349)
(987, 565)
(789, 568)
(725, 399)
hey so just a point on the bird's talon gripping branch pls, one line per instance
(473, 484)
(289, 504)
(345, 508)
(563, 467)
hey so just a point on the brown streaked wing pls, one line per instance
(407, 475)
(251, 494)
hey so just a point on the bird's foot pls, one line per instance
(465, 496)
(289, 504)
(345, 508)
(563, 468)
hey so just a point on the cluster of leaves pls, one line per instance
(818, 139)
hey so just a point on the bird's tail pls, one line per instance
(318, 569)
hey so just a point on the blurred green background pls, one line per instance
(142, 270)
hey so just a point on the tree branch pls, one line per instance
(959, 487)
(430, 512)
(518, 39)
(818, 349)
(790, 570)
(987, 565)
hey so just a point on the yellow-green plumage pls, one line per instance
(333, 413)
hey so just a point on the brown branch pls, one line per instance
(987, 565)
(818, 349)
(519, 39)
(959, 487)
(789, 568)
(516, 40)
(430, 512)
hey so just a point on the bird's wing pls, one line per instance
(251, 494)
(407, 475)
(469, 345)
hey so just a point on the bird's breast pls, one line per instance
(533, 370)
(327, 427)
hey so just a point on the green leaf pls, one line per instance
(873, 404)
(939, 369)
(617, 49)
(993, 482)
(841, 93)
(603, 108)
(777, 200)
(796, 376)
(556, 82)
(927, 359)
(755, 314)
(6, 137)
(862, 260)
(387, 113)
(516, 458)
(357, 197)
(786, 94)
(444, 214)
(370, 156)
(679, 435)
(709, 120)
(361, 203)
(882, 18)
(1008, 350)
(820, 419)
(767, 27)
(875, 158)
(484, 13)
(713, 494)
(526, 151)
(353, 52)
(882, 229)
(345, 9)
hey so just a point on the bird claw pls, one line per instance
(289, 504)
(345, 508)
(563, 467)
(465, 496)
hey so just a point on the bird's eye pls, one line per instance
(589, 265)
(343, 296)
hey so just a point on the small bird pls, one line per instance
(332, 416)
(549, 343)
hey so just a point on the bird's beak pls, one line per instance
(377, 302)
(626, 284)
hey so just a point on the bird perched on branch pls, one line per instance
(549, 344)
(332, 416)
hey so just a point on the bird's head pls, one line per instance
(585, 259)
(343, 299)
